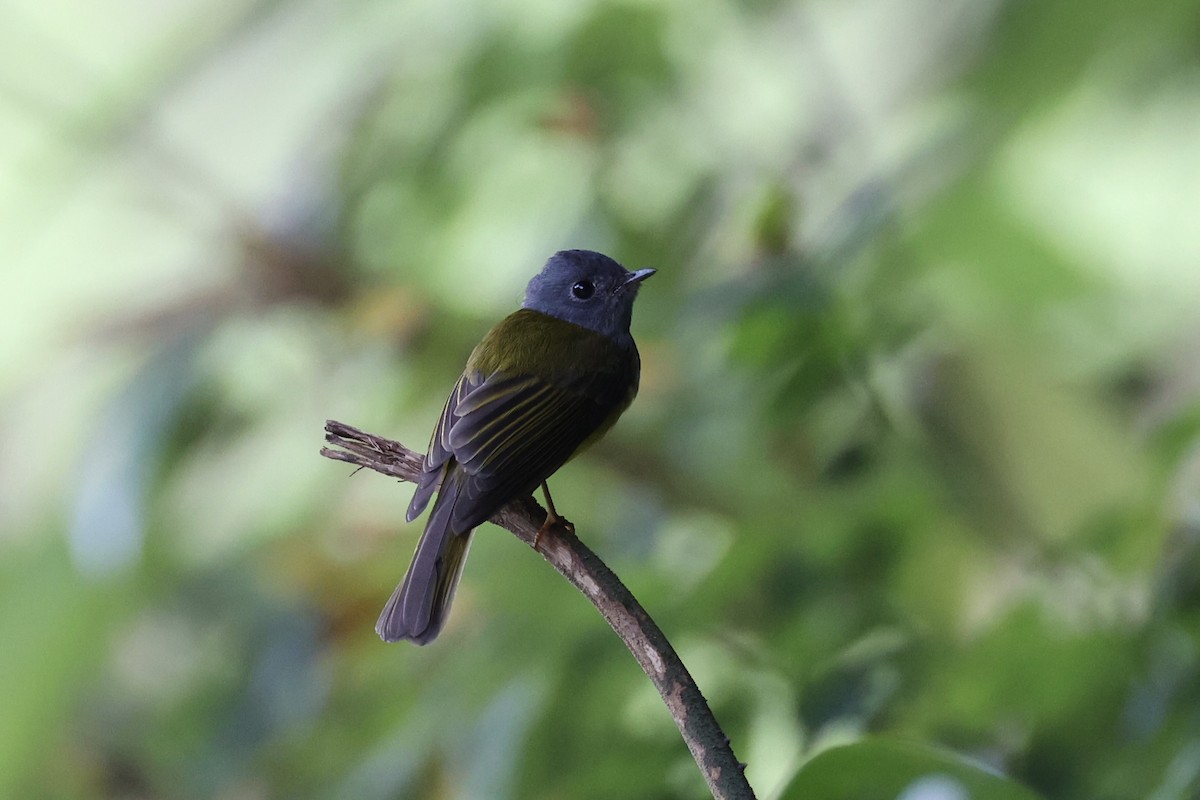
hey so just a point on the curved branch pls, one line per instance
(578, 564)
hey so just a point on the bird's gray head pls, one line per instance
(588, 289)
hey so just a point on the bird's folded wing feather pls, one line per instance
(508, 433)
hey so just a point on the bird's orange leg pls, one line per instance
(552, 517)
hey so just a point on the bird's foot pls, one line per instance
(552, 519)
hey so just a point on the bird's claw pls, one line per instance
(552, 519)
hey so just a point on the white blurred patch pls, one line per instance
(934, 787)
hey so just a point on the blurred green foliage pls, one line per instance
(916, 453)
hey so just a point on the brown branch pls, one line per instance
(578, 564)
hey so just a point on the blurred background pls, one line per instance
(916, 453)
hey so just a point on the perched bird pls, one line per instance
(547, 381)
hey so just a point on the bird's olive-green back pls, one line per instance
(563, 354)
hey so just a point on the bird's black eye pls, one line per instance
(582, 290)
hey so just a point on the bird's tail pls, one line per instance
(418, 608)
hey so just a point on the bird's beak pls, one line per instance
(637, 277)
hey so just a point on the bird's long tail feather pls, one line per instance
(418, 608)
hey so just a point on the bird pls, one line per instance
(543, 384)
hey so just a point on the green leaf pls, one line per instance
(890, 768)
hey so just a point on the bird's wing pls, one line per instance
(508, 433)
(436, 457)
(512, 432)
